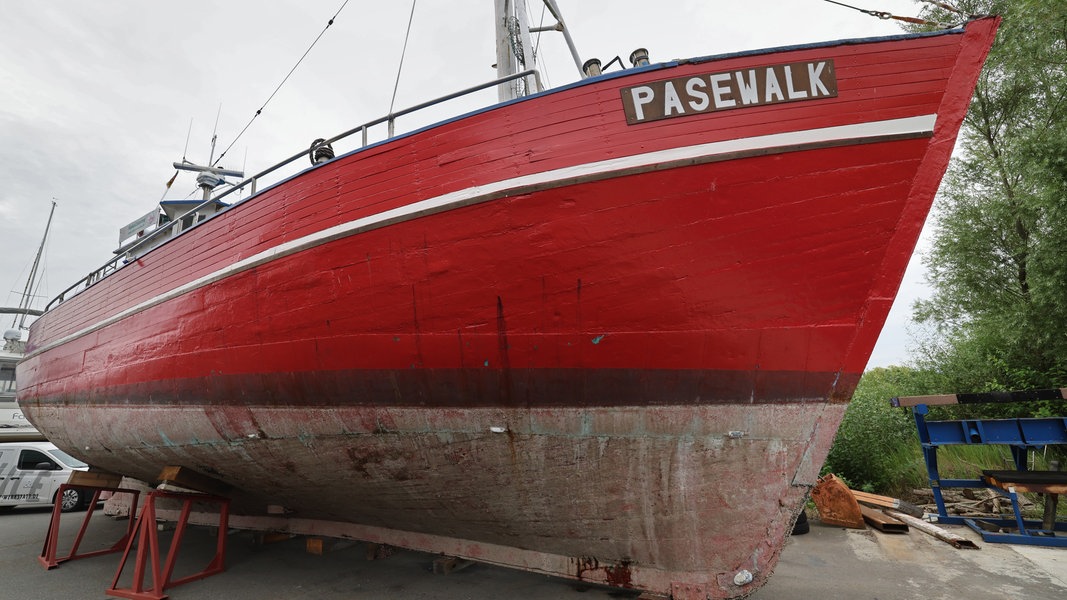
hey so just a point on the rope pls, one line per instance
(403, 52)
(537, 47)
(885, 15)
(260, 111)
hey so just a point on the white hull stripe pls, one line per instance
(876, 131)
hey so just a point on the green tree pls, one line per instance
(877, 447)
(998, 266)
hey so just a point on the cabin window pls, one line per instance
(7, 380)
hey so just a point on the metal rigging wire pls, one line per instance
(306, 52)
(537, 45)
(403, 52)
(886, 15)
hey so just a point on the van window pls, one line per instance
(67, 459)
(29, 459)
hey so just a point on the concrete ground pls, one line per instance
(832, 562)
(827, 563)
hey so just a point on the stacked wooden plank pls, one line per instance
(839, 505)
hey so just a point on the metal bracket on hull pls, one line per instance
(147, 539)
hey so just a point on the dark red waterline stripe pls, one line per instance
(476, 388)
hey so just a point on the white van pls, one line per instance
(31, 473)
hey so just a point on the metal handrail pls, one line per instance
(113, 265)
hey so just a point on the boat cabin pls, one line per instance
(179, 215)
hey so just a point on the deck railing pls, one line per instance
(176, 227)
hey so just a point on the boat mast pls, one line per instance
(514, 50)
(27, 292)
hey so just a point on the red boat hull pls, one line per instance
(536, 326)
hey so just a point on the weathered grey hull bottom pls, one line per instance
(677, 500)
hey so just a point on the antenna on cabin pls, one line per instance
(209, 178)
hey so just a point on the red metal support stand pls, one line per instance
(148, 548)
(49, 558)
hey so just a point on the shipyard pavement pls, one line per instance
(827, 563)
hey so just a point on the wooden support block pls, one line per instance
(190, 479)
(883, 522)
(888, 502)
(318, 546)
(448, 564)
(95, 478)
(261, 538)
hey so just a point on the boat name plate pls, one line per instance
(711, 92)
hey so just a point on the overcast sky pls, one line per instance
(96, 98)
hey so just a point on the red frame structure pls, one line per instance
(148, 548)
(49, 559)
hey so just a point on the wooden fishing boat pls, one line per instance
(606, 331)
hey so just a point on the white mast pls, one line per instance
(27, 292)
(514, 50)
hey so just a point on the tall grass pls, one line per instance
(871, 450)
(953, 462)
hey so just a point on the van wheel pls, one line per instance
(70, 501)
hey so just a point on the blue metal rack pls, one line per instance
(1020, 435)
